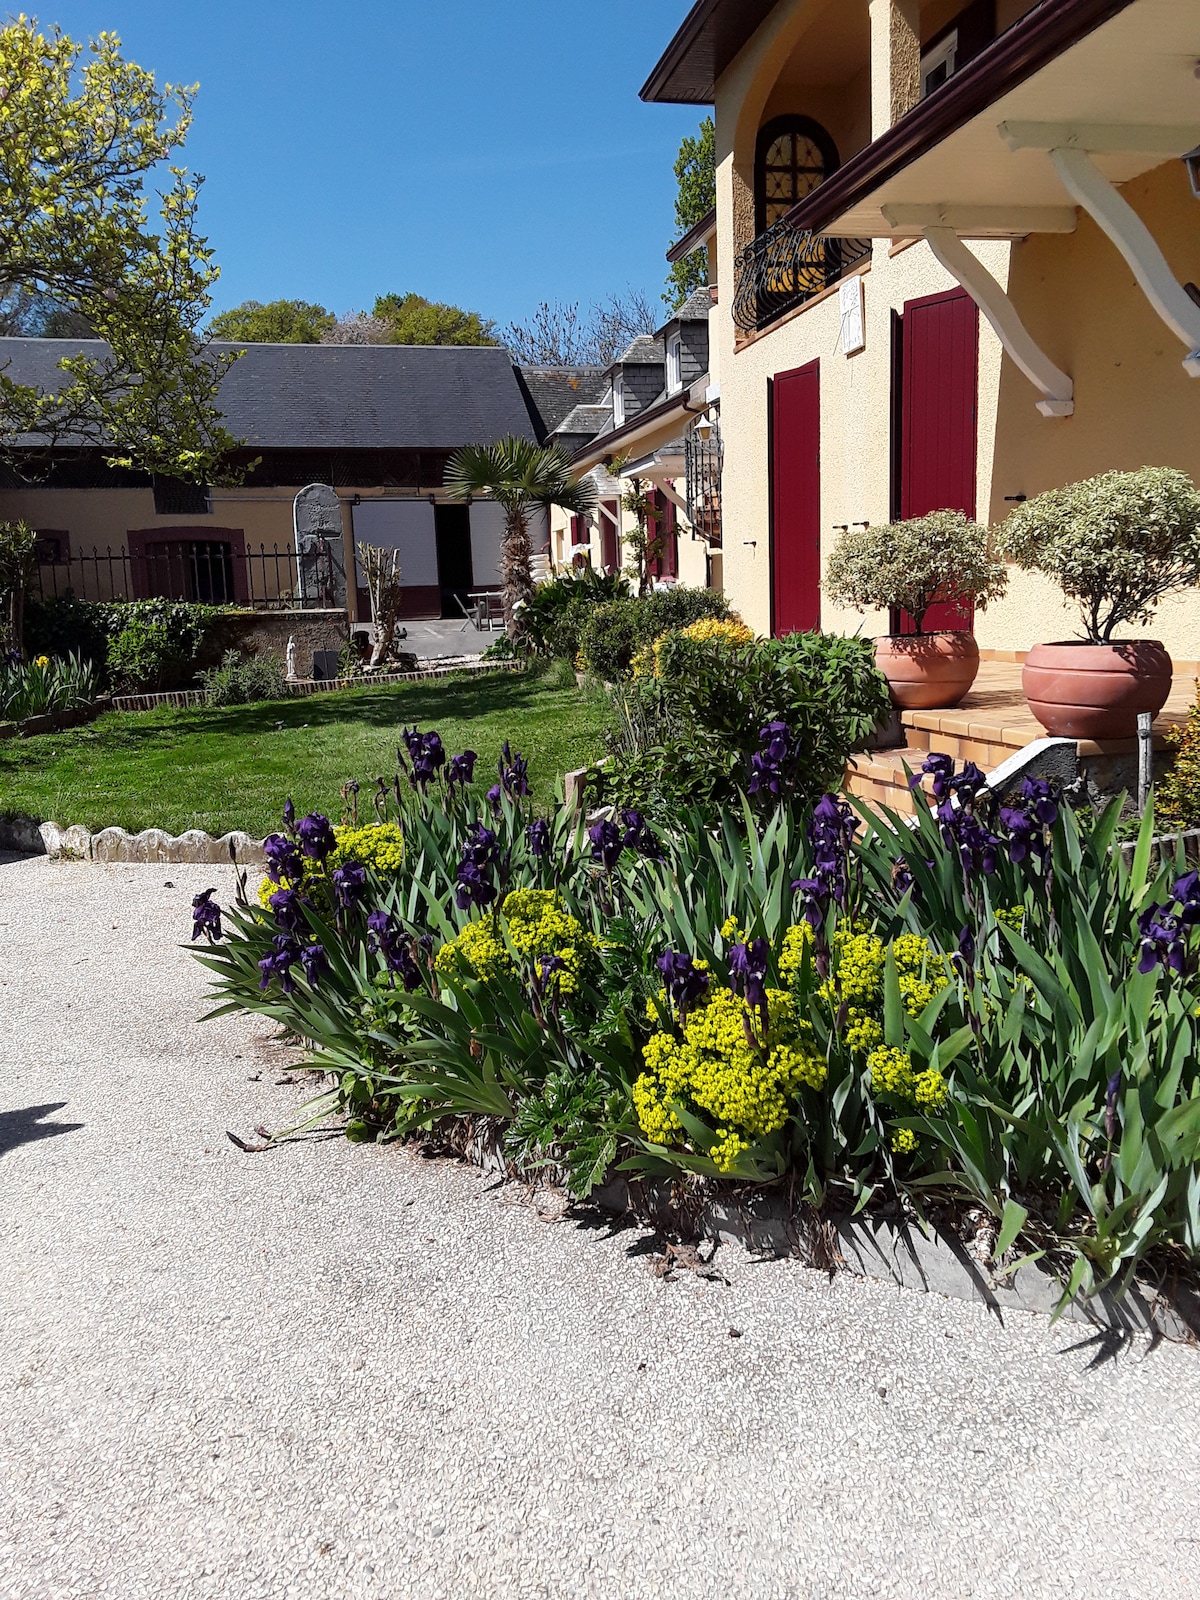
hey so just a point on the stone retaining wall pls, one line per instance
(27, 837)
(304, 686)
(52, 721)
(257, 633)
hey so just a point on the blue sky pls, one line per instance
(490, 154)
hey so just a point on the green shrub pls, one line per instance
(941, 558)
(240, 680)
(67, 625)
(555, 617)
(615, 632)
(689, 735)
(145, 658)
(1117, 543)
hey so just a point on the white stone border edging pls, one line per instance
(27, 837)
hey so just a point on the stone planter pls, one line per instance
(927, 670)
(1078, 690)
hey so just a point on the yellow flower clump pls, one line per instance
(857, 982)
(378, 845)
(732, 631)
(892, 1073)
(715, 1069)
(537, 925)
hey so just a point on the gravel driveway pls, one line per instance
(337, 1370)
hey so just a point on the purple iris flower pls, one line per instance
(285, 864)
(1186, 891)
(685, 982)
(941, 769)
(349, 884)
(494, 798)
(831, 831)
(514, 772)
(316, 836)
(386, 938)
(426, 754)
(771, 766)
(474, 877)
(287, 907)
(206, 916)
(748, 974)
(965, 954)
(638, 836)
(462, 768)
(1027, 821)
(538, 834)
(278, 964)
(606, 843)
(289, 815)
(315, 963)
(1162, 940)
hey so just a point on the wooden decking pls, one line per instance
(992, 722)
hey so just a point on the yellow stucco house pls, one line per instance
(956, 252)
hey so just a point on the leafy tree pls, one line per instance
(18, 563)
(77, 140)
(558, 336)
(696, 176)
(277, 322)
(411, 319)
(520, 476)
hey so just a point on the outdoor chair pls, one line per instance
(473, 613)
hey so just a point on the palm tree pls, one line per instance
(519, 475)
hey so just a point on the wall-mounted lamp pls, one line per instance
(841, 527)
(1017, 499)
(704, 425)
(860, 524)
(1192, 162)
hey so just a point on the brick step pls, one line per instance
(879, 779)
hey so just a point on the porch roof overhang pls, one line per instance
(705, 43)
(1114, 77)
(642, 434)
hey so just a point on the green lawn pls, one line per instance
(234, 767)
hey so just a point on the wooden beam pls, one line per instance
(1103, 138)
(1057, 389)
(980, 222)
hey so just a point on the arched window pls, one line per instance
(793, 155)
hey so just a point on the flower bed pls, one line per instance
(990, 1010)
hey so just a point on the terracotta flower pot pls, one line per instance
(927, 669)
(1095, 691)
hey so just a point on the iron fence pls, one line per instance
(783, 268)
(210, 571)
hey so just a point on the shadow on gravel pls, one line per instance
(26, 1125)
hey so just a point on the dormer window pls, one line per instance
(939, 63)
(674, 364)
(618, 397)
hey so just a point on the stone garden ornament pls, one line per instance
(320, 557)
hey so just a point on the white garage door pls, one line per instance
(404, 525)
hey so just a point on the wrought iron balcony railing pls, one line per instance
(783, 268)
(703, 458)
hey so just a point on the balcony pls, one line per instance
(784, 268)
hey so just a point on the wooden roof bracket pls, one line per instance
(1056, 388)
(1087, 186)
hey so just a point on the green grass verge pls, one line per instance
(233, 767)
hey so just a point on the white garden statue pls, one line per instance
(291, 658)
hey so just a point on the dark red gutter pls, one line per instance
(1032, 42)
(694, 237)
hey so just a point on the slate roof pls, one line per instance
(695, 308)
(340, 396)
(645, 349)
(551, 392)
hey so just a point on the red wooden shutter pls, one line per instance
(609, 557)
(938, 419)
(796, 500)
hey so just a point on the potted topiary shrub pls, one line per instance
(940, 558)
(1117, 543)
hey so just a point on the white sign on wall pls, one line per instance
(850, 304)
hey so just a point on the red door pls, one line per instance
(940, 386)
(609, 516)
(796, 500)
